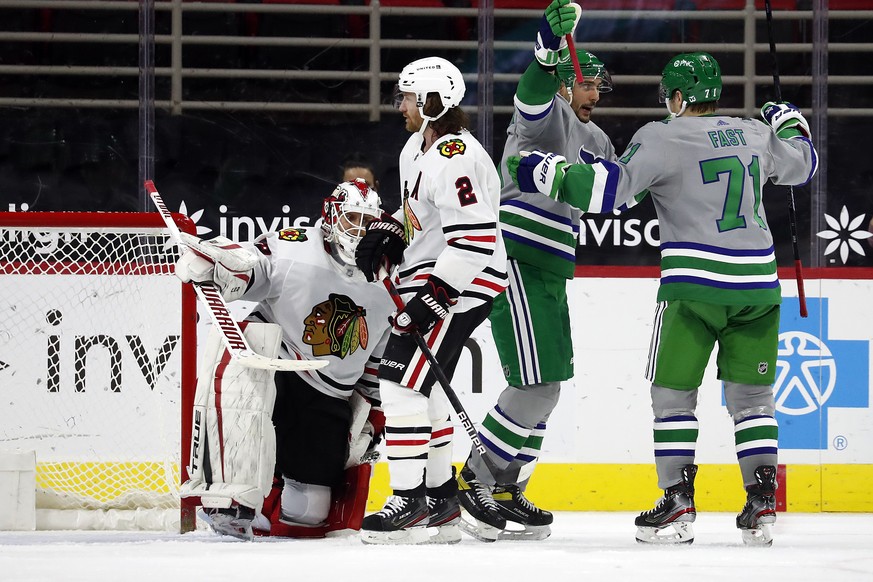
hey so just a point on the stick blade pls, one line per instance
(253, 360)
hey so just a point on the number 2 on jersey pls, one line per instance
(732, 217)
(465, 191)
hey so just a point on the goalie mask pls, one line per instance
(432, 75)
(697, 75)
(345, 215)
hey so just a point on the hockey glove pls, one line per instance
(558, 21)
(381, 247)
(218, 260)
(429, 306)
(785, 119)
(538, 172)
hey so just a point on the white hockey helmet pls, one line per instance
(345, 215)
(433, 75)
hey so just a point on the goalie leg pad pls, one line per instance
(233, 449)
(349, 502)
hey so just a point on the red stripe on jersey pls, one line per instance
(442, 433)
(219, 378)
(416, 372)
(389, 443)
(489, 284)
(372, 371)
(486, 239)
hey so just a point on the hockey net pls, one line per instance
(97, 363)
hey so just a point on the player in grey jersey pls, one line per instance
(718, 275)
(531, 322)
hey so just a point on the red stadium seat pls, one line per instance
(741, 4)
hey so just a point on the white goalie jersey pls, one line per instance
(451, 198)
(326, 311)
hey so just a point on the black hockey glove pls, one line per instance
(429, 306)
(381, 246)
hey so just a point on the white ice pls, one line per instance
(584, 547)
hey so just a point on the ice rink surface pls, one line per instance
(584, 547)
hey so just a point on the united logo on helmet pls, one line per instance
(433, 75)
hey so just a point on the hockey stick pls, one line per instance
(792, 213)
(233, 337)
(443, 380)
(571, 46)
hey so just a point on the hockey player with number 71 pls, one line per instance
(313, 303)
(719, 284)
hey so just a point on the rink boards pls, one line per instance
(597, 454)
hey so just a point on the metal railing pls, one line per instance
(369, 70)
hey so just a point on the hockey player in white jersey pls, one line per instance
(531, 322)
(312, 303)
(705, 172)
(454, 265)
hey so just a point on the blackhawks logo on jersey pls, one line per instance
(293, 234)
(336, 327)
(452, 147)
(410, 220)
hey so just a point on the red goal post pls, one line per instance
(98, 366)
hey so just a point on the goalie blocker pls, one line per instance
(233, 449)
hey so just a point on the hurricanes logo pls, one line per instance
(452, 147)
(336, 327)
(293, 234)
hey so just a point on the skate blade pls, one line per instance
(227, 527)
(479, 530)
(448, 533)
(678, 532)
(409, 536)
(760, 537)
(530, 533)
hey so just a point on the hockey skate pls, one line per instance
(403, 520)
(475, 497)
(444, 514)
(235, 521)
(516, 508)
(669, 522)
(759, 514)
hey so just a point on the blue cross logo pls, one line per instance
(815, 373)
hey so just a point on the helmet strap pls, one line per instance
(677, 114)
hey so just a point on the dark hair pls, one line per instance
(357, 161)
(453, 121)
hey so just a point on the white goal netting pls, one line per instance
(91, 365)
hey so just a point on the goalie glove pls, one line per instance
(430, 305)
(785, 119)
(538, 172)
(558, 21)
(381, 247)
(218, 260)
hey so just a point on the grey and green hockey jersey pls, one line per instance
(537, 230)
(705, 175)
